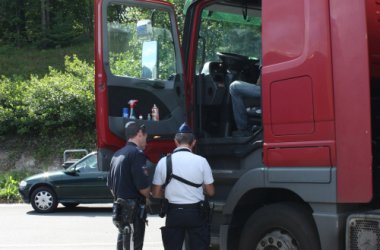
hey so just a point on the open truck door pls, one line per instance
(138, 67)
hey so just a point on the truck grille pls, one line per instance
(363, 231)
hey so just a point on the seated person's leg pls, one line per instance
(238, 91)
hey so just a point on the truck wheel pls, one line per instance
(281, 226)
(44, 200)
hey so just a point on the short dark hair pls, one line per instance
(132, 128)
(184, 138)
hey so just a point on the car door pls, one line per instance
(84, 182)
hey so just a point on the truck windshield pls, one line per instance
(236, 33)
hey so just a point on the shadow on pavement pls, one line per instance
(83, 210)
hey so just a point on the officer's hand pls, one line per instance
(148, 201)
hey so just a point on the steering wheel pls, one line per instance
(233, 61)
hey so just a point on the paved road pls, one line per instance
(82, 228)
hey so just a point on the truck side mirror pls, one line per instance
(149, 60)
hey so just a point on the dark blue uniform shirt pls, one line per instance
(128, 173)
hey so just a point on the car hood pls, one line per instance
(46, 176)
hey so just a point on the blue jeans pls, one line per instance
(238, 91)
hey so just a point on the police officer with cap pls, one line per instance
(183, 214)
(128, 180)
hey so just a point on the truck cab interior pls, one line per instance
(214, 100)
(228, 49)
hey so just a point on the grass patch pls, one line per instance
(22, 62)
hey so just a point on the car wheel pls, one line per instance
(44, 200)
(284, 226)
(70, 205)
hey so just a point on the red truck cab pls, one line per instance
(309, 171)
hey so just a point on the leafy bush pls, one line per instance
(40, 106)
(12, 104)
(9, 186)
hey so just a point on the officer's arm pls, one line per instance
(157, 191)
(209, 189)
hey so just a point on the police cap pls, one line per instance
(185, 129)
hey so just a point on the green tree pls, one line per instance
(45, 23)
(12, 22)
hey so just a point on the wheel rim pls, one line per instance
(43, 200)
(277, 240)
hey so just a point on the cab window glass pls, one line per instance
(140, 42)
(229, 32)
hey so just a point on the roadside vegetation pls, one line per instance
(44, 114)
(22, 62)
(9, 186)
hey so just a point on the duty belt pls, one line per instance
(185, 206)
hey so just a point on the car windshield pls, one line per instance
(86, 164)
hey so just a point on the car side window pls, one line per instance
(87, 165)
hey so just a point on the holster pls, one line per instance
(123, 212)
(163, 208)
(205, 210)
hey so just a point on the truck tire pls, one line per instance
(282, 226)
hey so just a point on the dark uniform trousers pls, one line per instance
(181, 221)
(138, 232)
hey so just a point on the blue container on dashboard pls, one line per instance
(125, 112)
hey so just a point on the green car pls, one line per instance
(82, 182)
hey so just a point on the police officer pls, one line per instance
(128, 179)
(184, 215)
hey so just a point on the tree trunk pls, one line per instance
(43, 17)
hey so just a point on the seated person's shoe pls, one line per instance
(255, 128)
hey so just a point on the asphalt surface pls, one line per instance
(82, 228)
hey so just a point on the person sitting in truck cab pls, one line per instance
(239, 90)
